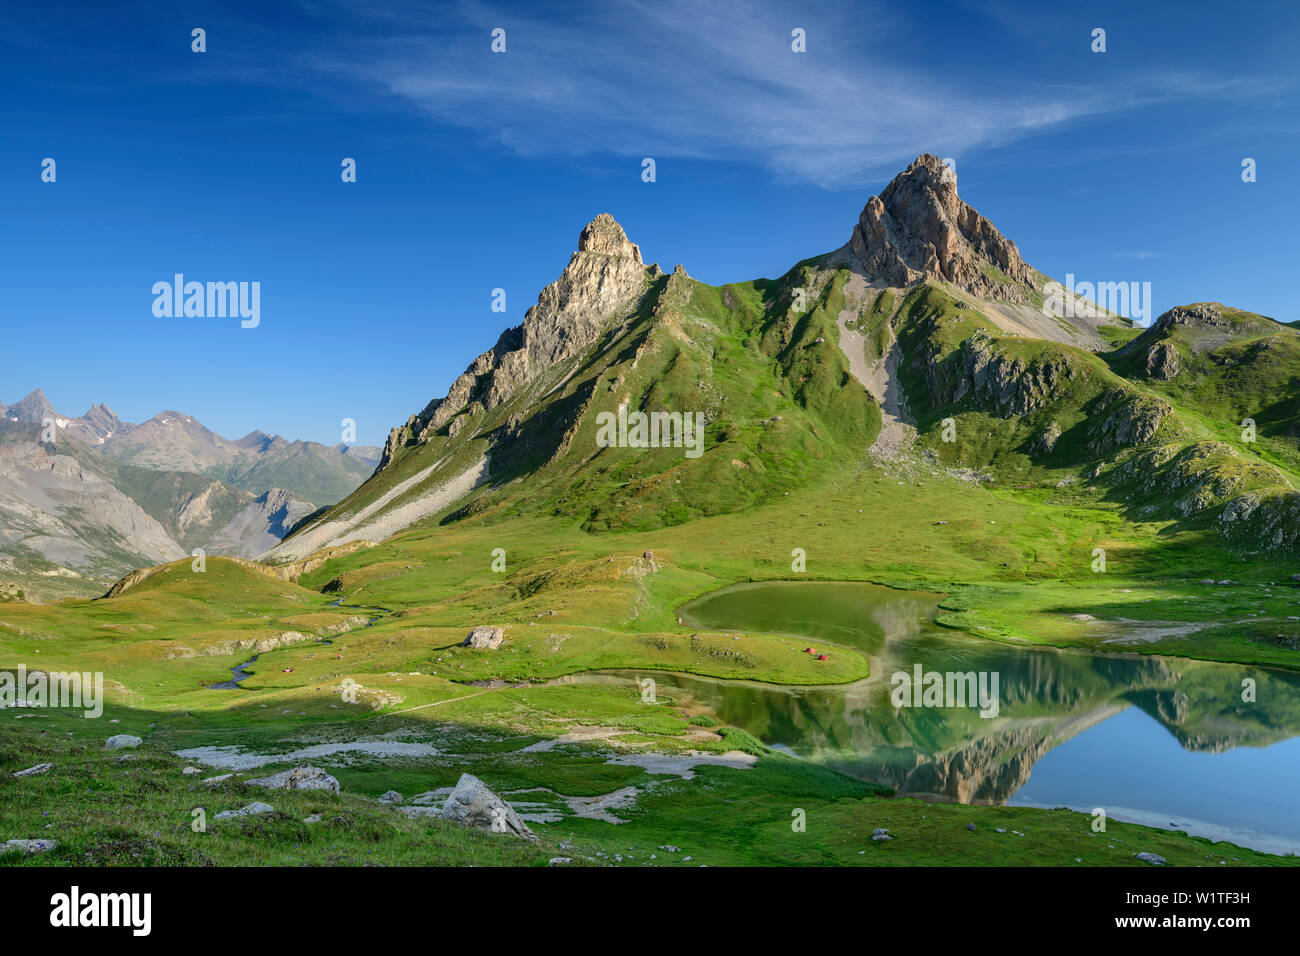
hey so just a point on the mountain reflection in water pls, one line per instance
(1187, 752)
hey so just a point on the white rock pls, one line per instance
(119, 741)
(33, 771)
(484, 637)
(472, 804)
(299, 778)
(27, 847)
(252, 809)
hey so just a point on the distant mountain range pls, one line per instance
(174, 441)
(107, 495)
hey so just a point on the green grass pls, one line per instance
(602, 545)
(141, 811)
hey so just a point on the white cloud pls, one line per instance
(711, 80)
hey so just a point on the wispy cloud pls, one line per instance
(710, 80)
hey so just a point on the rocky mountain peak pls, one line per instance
(603, 235)
(919, 228)
(604, 277)
(32, 409)
(1204, 315)
(101, 414)
(275, 498)
(257, 441)
(98, 425)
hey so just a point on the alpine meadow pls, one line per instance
(912, 555)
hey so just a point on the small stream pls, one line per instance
(239, 673)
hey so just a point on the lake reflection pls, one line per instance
(1156, 740)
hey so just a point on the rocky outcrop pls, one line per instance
(488, 638)
(1204, 316)
(1046, 442)
(252, 810)
(344, 626)
(1126, 419)
(918, 228)
(258, 645)
(1163, 362)
(604, 277)
(1198, 328)
(1194, 478)
(472, 804)
(299, 778)
(35, 771)
(261, 525)
(1264, 520)
(1000, 383)
(28, 847)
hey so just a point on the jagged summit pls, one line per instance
(919, 228)
(32, 409)
(604, 276)
(605, 236)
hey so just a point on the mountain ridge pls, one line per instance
(64, 505)
(927, 301)
(175, 441)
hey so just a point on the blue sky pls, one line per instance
(477, 170)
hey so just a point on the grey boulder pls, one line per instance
(487, 638)
(27, 847)
(34, 771)
(252, 809)
(299, 778)
(472, 804)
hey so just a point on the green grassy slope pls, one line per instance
(601, 545)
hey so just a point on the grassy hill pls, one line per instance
(1025, 458)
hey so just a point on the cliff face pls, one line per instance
(261, 525)
(604, 276)
(919, 228)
